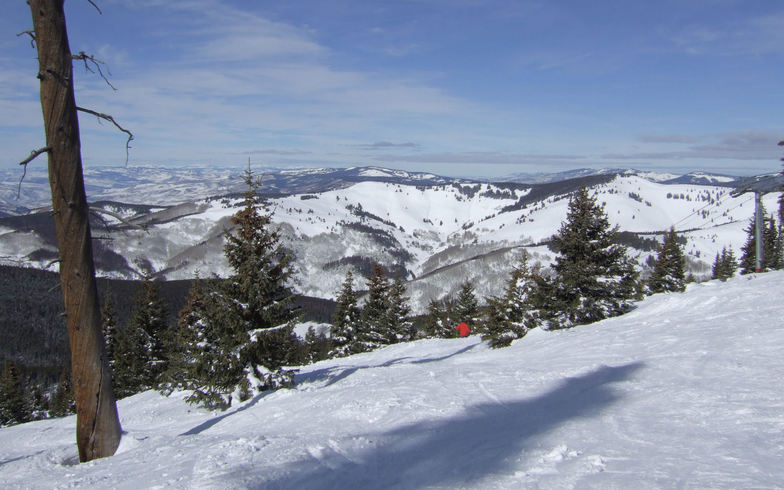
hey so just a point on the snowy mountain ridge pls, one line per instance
(684, 391)
(436, 236)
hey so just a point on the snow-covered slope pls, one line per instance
(434, 234)
(683, 392)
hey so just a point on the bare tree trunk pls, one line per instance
(97, 424)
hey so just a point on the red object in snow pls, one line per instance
(463, 329)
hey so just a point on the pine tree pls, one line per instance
(317, 345)
(466, 307)
(399, 326)
(514, 314)
(594, 279)
(771, 242)
(345, 323)
(668, 272)
(239, 333)
(771, 248)
(62, 401)
(140, 352)
(14, 406)
(725, 265)
(437, 322)
(374, 330)
(110, 328)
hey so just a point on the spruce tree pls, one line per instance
(62, 400)
(110, 329)
(514, 314)
(14, 406)
(239, 333)
(399, 326)
(771, 248)
(437, 322)
(374, 330)
(466, 307)
(668, 272)
(345, 322)
(594, 279)
(140, 352)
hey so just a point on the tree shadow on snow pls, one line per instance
(336, 373)
(211, 422)
(489, 439)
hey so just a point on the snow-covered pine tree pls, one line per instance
(725, 265)
(62, 402)
(594, 278)
(374, 331)
(466, 308)
(345, 323)
(669, 270)
(14, 406)
(512, 315)
(399, 326)
(317, 345)
(204, 355)
(148, 335)
(240, 331)
(437, 321)
(259, 296)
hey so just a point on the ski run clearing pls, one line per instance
(683, 392)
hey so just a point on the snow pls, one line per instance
(684, 391)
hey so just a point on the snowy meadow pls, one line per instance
(683, 392)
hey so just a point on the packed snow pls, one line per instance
(683, 392)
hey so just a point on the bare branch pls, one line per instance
(97, 63)
(24, 163)
(30, 33)
(111, 119)
(96, 7)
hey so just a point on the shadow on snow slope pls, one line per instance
(488, 440)
(336, 373)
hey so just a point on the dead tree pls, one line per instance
(97, 423)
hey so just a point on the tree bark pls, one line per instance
(98, 428)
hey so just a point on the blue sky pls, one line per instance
(457, 87)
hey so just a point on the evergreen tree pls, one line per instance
(725, 265)
(345, 323)
(668, 272)
(317, 345)
(771, 248)
(399, 326)
(14, 406)
(771, 242)
(62, 401)
(437, 322)
(140, 353)
(374, 330)
(110, 328)
(594, 279)
(513, 314)
(238, 334)
(466, 307)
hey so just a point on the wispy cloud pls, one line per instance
(738, 145)
(386, 145)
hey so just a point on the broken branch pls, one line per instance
(24, 163)
(84, 57)
(30, 33)
(111, 119)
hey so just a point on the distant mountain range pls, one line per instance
(168, 186)
(435, 232)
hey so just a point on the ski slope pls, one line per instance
(683, 392)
